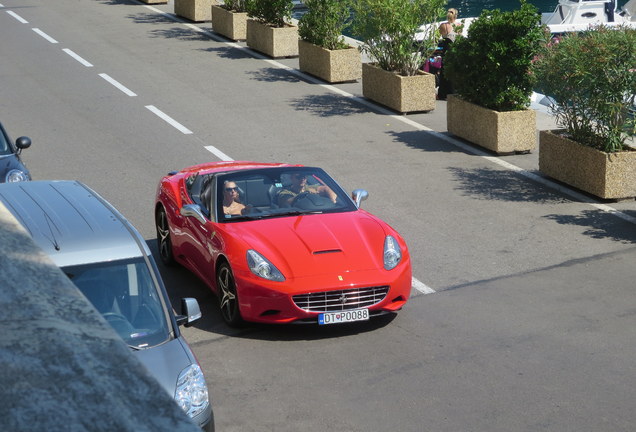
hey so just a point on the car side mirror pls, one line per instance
(193, 210)
(23, 143)
(190, 311)
(359, 195)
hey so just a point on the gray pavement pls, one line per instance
(530, 325)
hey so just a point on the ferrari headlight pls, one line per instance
(392, 253)
(260, 266)
(16, 175)
(192, 393)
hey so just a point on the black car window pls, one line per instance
(125, 294)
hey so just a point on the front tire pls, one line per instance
(228, 297)
(163, 237)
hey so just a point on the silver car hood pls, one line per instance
(165, 362)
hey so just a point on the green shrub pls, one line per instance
(324, 23)
(490, 67)
(273, 12)
(235, 5)
(592, 78)
(388, 28)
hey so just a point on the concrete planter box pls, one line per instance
(232, 25)
(272, 41)
(605, 175)
(332, 66)
(501, 132)
(400, 93)
(194, 10)
(154, 1)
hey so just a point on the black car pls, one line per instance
(11, 167)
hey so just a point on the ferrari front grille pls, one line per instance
(334, 301)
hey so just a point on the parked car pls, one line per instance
(283, 251)
(111, 264)
(11, 167)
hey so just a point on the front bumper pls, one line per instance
(265, 301)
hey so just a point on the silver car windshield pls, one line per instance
(126, 296)
(4, 145)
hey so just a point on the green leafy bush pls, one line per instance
(592, 78)
(324, 23)
(388, 28)
(491, 66)
(236, 5)
(273, 12)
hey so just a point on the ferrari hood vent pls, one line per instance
(320, 252)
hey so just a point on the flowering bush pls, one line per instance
(324, 23)
(491, 66)
(235, 5)
(590, 75)
(388, 28)
(274, 12)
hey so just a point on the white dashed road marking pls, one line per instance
(76, 57)
(44, 35)
(218, 153)
(18, 17)
(169, 119)
(118, 85)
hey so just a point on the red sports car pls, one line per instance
(281, 243)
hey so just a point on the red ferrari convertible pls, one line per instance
(281, 243)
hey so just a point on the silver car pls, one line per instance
(109, 261)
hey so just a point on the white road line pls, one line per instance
(44, 35)
(76, 57)
(169, 119)
(118, 85)
(421, 287)
(218, 153)
(18, 17)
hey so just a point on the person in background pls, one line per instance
(447, 31)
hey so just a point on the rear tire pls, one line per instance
(228, 297)
(163, 237)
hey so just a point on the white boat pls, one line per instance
(575, 15)
(578, 15)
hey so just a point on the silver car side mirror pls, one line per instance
(193, 210)
(190, 310)
(359, 195)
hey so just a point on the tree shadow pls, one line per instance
(149, 18)
(328, 105)
(228, 52)
(273, 75)
(502, 185)
(180, 33)
(425, 141)
(600, 225)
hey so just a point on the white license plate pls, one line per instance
(343, 317)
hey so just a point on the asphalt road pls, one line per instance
(531, 324)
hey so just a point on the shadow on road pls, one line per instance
(273, 75)
(502, 185)
(328, 105)
(599, 224)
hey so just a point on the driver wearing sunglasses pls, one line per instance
(299, 185)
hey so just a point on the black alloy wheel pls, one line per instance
(228, 298)
(163, 237)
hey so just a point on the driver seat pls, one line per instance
(273, 195)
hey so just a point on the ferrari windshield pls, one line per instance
(127, 297)
(275, 192)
